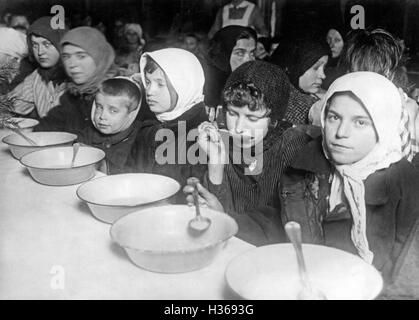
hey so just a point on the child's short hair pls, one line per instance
(377, 51)
(245, 94)
(122, 88)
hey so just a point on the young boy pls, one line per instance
(115, 122)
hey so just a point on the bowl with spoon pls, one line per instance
(21, 143)
(282, 272)
(63, 166)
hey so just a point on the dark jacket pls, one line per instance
(117, 147)
(254, 200)
(392, 207)
(149, 154)
(72, 115)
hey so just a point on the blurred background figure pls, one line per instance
(335, 37)
(13, 49)
(239, 13)
(19, 22)
(192, 43)
(131, 49)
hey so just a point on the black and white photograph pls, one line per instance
(215, 151)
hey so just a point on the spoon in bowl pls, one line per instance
(17, 130)
(76, 147)
(198, 224)
(308, 292)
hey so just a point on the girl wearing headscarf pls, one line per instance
(42, 89)
(304, 61)
(229, 48)
(244, 169)
(88, 61)
(350, 186)
(173, 80)
(130, 51)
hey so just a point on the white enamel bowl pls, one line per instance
(52, 166)
(158, 238)
(112, 197)
(271, 273)
(44, 139)
(25, 124)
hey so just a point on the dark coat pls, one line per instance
(117, 147)
(254, 200)
(146, 155)
(72, 115)
(392, 205)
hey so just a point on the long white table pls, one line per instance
(51, 247)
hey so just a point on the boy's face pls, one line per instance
(111, 113)
(160, 94)
(348, 130)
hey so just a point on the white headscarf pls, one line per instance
(383, 102)
(186, 75)
(131, 116)
(13, 43)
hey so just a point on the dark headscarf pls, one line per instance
(217, 63)
(95, 44)
(223, 42)
(273, 83)
(299, 56)
(42, 28)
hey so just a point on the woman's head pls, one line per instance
(335, 41)
(174, 81)
(303, 60)
(86, 55)
(361, 119)
(232, 46)
(44, 42)
(255, 99)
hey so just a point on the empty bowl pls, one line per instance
(25, 124)
(112, 197)
(19, 146)
(158, 238)
(52, 166)
(271, 273)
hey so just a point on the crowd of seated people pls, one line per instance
(320, 130)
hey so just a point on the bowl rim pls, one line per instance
(126, 174)
(62, 169)
(22, 119)
(43, 146)
(235, 229)
(375, 271)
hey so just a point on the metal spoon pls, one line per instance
(308, 292)
(76, 147)
(17, 130)
(199, 223)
